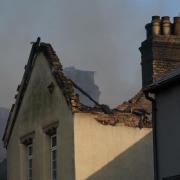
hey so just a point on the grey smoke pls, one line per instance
(97, 35)
(85, 80)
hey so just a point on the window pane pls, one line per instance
(30, 163)
(54, 174)
(30, 150)
(54, 165)
(54, 155)
(30, 173)
(53, 143)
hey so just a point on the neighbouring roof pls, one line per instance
(137, 102)
(133, 113)
(171, 78)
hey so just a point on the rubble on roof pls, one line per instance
(137, 102)
(133, 113)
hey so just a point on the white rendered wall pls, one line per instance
(111, 152)
(40, 108)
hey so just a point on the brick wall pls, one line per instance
(162, 67)
(160, 55)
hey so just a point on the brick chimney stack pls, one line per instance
(160, 52)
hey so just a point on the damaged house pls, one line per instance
(51, 134)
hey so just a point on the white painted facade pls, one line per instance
(40, 108)
(111, 152)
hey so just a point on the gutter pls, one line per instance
(154, 127)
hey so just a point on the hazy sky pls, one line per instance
(99, 35)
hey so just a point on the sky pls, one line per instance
(98, 35)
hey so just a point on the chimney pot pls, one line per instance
(155, 18)
(165, 18)
(166, 25)
(177, 26)
(155, 25)
(177, 19)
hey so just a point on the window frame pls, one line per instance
(29, 160)
(27, 141)
(53, 150)
(51, 131)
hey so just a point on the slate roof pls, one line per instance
(171, 78)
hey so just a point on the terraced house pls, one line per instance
(51, 134)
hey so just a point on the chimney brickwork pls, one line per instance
(160, 52)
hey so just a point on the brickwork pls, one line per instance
(161, 50)
(136, 112)
(161, 67)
